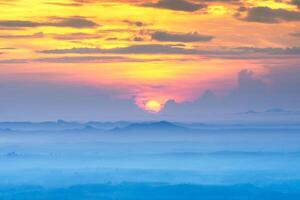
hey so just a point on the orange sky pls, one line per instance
(153, 51)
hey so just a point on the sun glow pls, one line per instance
(153, 106)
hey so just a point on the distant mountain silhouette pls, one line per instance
(250, 112)
(160, 126)
(276, 110)
(269, 111)
(59, 125)
(87, 128)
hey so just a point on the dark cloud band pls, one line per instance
(177, 5)
(74, 22)
(180, 37)
(268, 15)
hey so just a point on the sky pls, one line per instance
(184, 60)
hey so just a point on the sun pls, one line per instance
(153, 106)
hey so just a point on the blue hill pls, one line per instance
(153, 126)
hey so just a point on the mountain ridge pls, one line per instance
(152, 126)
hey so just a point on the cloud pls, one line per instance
(296, 2)
(8, 2)
(74, 22)
(18, 24)
(35, 35)
(42, 100)
(14, 61)
(225, 1)
(206, 103)
(76, 36)
(278, 88)
(180, 37)
(134, 49)
(285, 80)
(232, 53)
(181, 5)
(296, 34)
(7, 48)
(85, 1)
(268, 15)
(90, 59)
(249, 92)
(64, 4)
(274, 51)
(78, 59)
(177, 5)
(134, 23)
